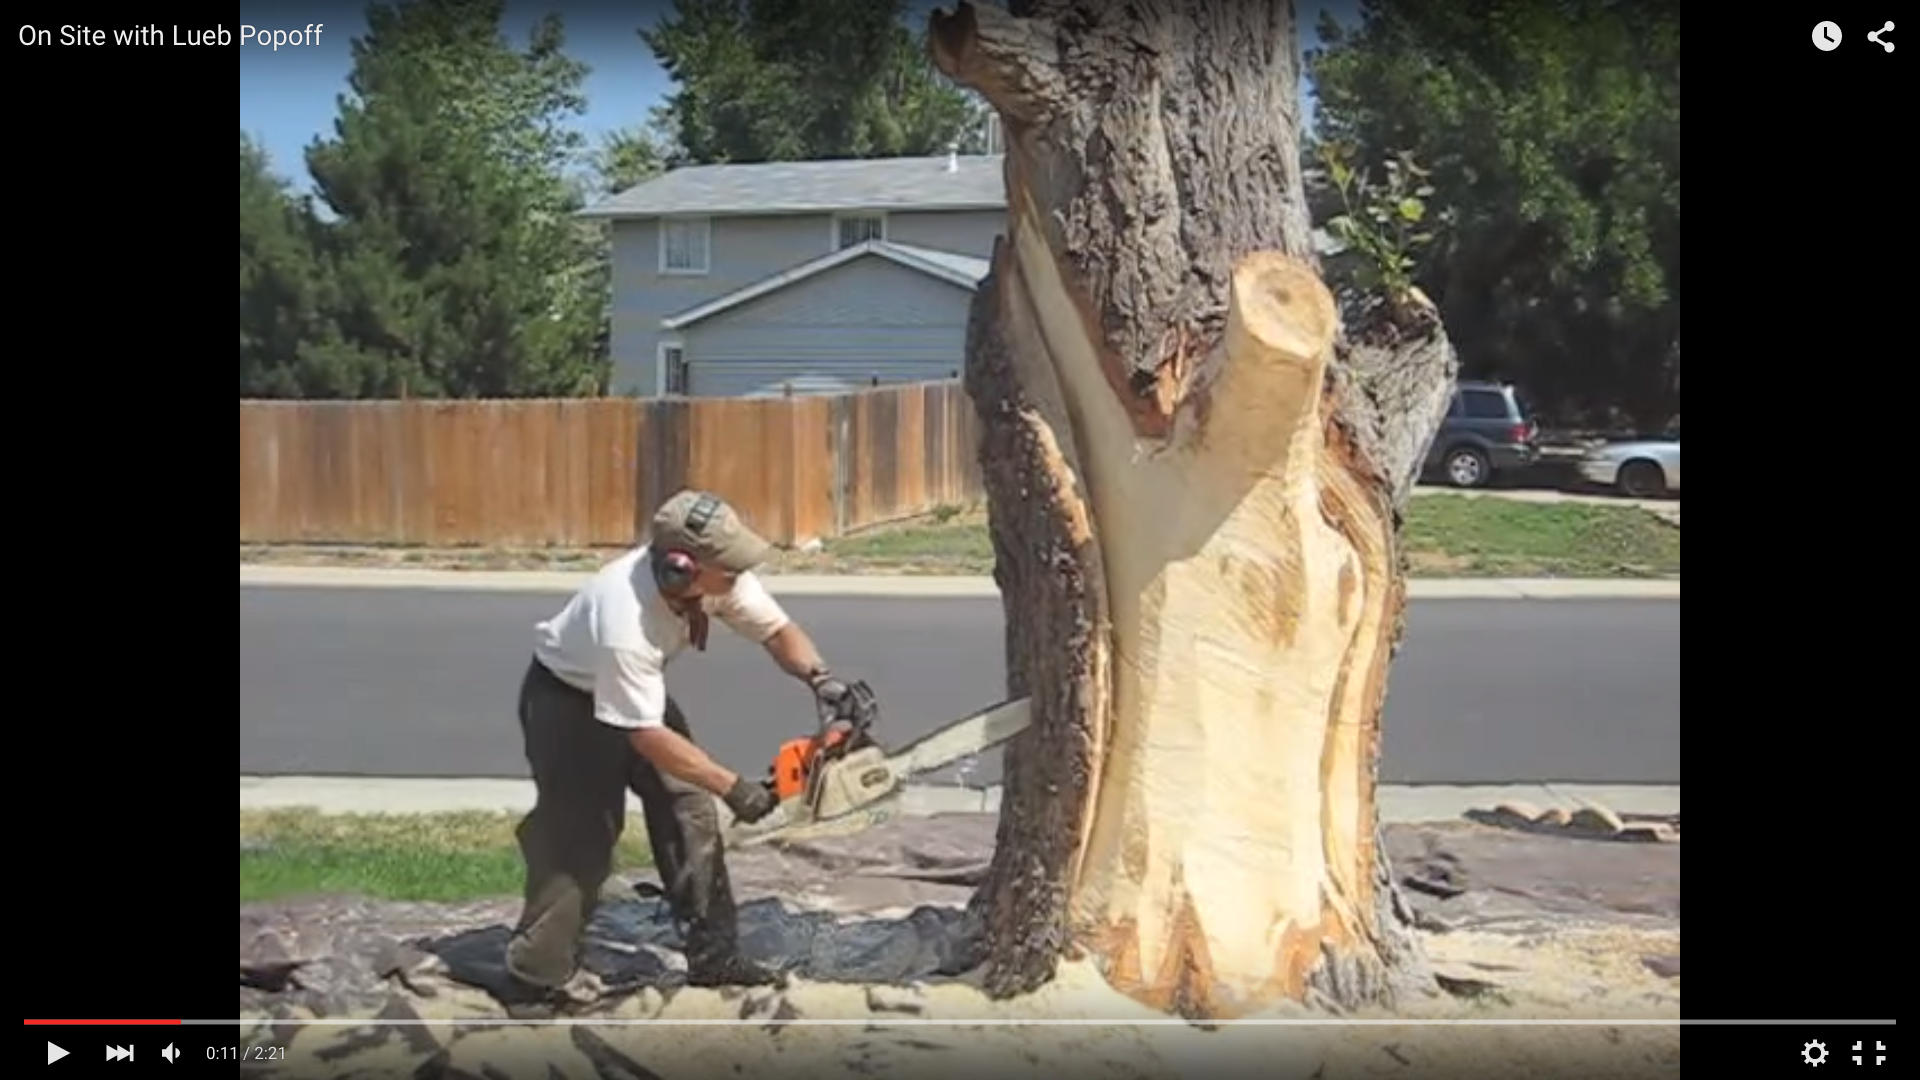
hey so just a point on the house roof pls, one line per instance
(964, 271)
(949, 182)
(954, 182)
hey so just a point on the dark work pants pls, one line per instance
(582, 771)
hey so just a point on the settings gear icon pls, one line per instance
(1814, 1053)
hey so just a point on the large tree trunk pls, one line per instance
(1194, 485)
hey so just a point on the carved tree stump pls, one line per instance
(1194, 485)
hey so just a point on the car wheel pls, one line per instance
(1642, 480)
(1468, 468)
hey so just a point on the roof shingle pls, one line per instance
(802, 187)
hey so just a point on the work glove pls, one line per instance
(833, 698)
(750, 800)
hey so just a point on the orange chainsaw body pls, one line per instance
(793, 765)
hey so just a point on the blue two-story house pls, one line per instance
(802, 277)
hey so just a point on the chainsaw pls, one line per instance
(841, 779)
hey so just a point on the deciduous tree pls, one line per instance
(1552, 134)
(1195, 480)
(795, 80)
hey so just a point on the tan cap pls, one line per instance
(705, 527)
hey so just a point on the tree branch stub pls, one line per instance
(1008, 60)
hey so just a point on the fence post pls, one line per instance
(789, 466)
(839, 452)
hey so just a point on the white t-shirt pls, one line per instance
(615, 637)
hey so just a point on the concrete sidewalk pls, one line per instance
(903, 586)
(361, 795)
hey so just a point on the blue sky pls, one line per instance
(288, 96)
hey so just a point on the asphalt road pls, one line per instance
(387, 683)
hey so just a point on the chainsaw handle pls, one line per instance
(855, 713)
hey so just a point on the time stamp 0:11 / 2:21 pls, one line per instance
(261, 1052)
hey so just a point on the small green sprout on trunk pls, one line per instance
(1381, 226)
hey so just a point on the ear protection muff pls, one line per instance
(676, 569)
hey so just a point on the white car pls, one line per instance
(1643, 469)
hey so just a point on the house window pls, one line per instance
(673, 370)
(853, 229)
(683, 245)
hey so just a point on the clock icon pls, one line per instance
(1826, 37)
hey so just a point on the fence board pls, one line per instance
(587, 473)
(815, 468)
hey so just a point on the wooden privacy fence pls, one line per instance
(588, 472)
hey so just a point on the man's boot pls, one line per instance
(714, 959)
(524, 1000)
(713, 931)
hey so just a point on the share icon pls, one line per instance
(1877, 40)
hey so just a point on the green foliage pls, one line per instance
(1552, 129)
(790, 80)
(280, 290)
(1383, 224)
(624, 159)
(462, 272)
(443, 258)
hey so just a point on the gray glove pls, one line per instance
(750, 800)
(833, 698)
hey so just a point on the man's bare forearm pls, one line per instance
(678, 757)
(793, 650)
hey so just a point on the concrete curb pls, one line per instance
(877, 585)
(1398, 803)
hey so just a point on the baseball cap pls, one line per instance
(704, 526)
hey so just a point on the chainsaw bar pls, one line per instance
(963, 738)
(796, 818)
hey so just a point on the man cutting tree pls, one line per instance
(598, 722)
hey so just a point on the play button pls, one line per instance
(54, 1053)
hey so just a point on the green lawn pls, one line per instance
(1445, 536)
(1457, 536)
(433, 857)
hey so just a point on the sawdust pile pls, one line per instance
(1583, 974)
(1518, 926)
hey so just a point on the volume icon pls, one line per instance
(170, 1053)
(119, 1053)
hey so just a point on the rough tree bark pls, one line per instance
(1194, 481)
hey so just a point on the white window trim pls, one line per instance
(660, 364)
(705, 226)
(834, 220)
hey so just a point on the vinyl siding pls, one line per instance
(966, 232)
(741, 251)
(844, 328)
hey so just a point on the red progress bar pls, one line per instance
(103, 1023)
